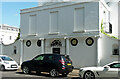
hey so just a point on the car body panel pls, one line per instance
(105, 71)
(48, 62)
(9, 65)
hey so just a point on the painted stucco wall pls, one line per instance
(65, 17)
(114, 18)
(83, 55)
(9, 51)
(119, 20)
(32, 51)
(48, 47)
(79, 54)
(106, 45)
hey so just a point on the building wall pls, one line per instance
(32, 51)
(83, 55)
(9, 50)
(67, 24)
(114, 18)
(119, 21)
(66, 18)
(35, 50)
(78, 54)
(48, 47)
(106, 46)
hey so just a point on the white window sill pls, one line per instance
(32, 34)
(53, 33)
(82, 31)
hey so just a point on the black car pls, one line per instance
(52, 63)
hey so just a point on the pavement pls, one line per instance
(74, 73)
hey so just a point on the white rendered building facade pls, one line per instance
(86, 31)
(8, 34)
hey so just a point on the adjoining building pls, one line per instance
(8, 43)
(8, 34)
(86, 31)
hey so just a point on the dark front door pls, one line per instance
(56, 50)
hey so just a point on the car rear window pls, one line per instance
(50, 57)
(57, 57)
(66, 58)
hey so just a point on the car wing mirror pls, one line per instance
(106, 68)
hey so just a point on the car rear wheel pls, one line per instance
(54, 73)
(26, 70)
(89, 75)
(2, 68)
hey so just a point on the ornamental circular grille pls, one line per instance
(56, 43)
(39, 43)
(89, 41)
(28, 43)
(74, 42)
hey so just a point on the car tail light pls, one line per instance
(71, 61)
(63, 67)
(62, 61)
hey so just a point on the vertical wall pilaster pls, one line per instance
(67, 45)
(42, 45)
(22, 51)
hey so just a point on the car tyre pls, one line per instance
(2, 68)
(26, 70)
(54, 73)
(89, 75)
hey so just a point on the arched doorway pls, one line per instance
(56, 45)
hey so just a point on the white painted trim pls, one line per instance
(32, 34)
(105, 5)
(91, 30)
(1, 52)
(67, 46)
(52, 6)
(42, 45)
(82, 31)
(22, 51)
(53, 33)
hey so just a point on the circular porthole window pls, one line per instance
(74, 42)
(39, 43)
(28, 43)
(89, 41)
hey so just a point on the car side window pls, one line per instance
(56, 57)
(50, 57)
(115, 65)
(39, 58)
